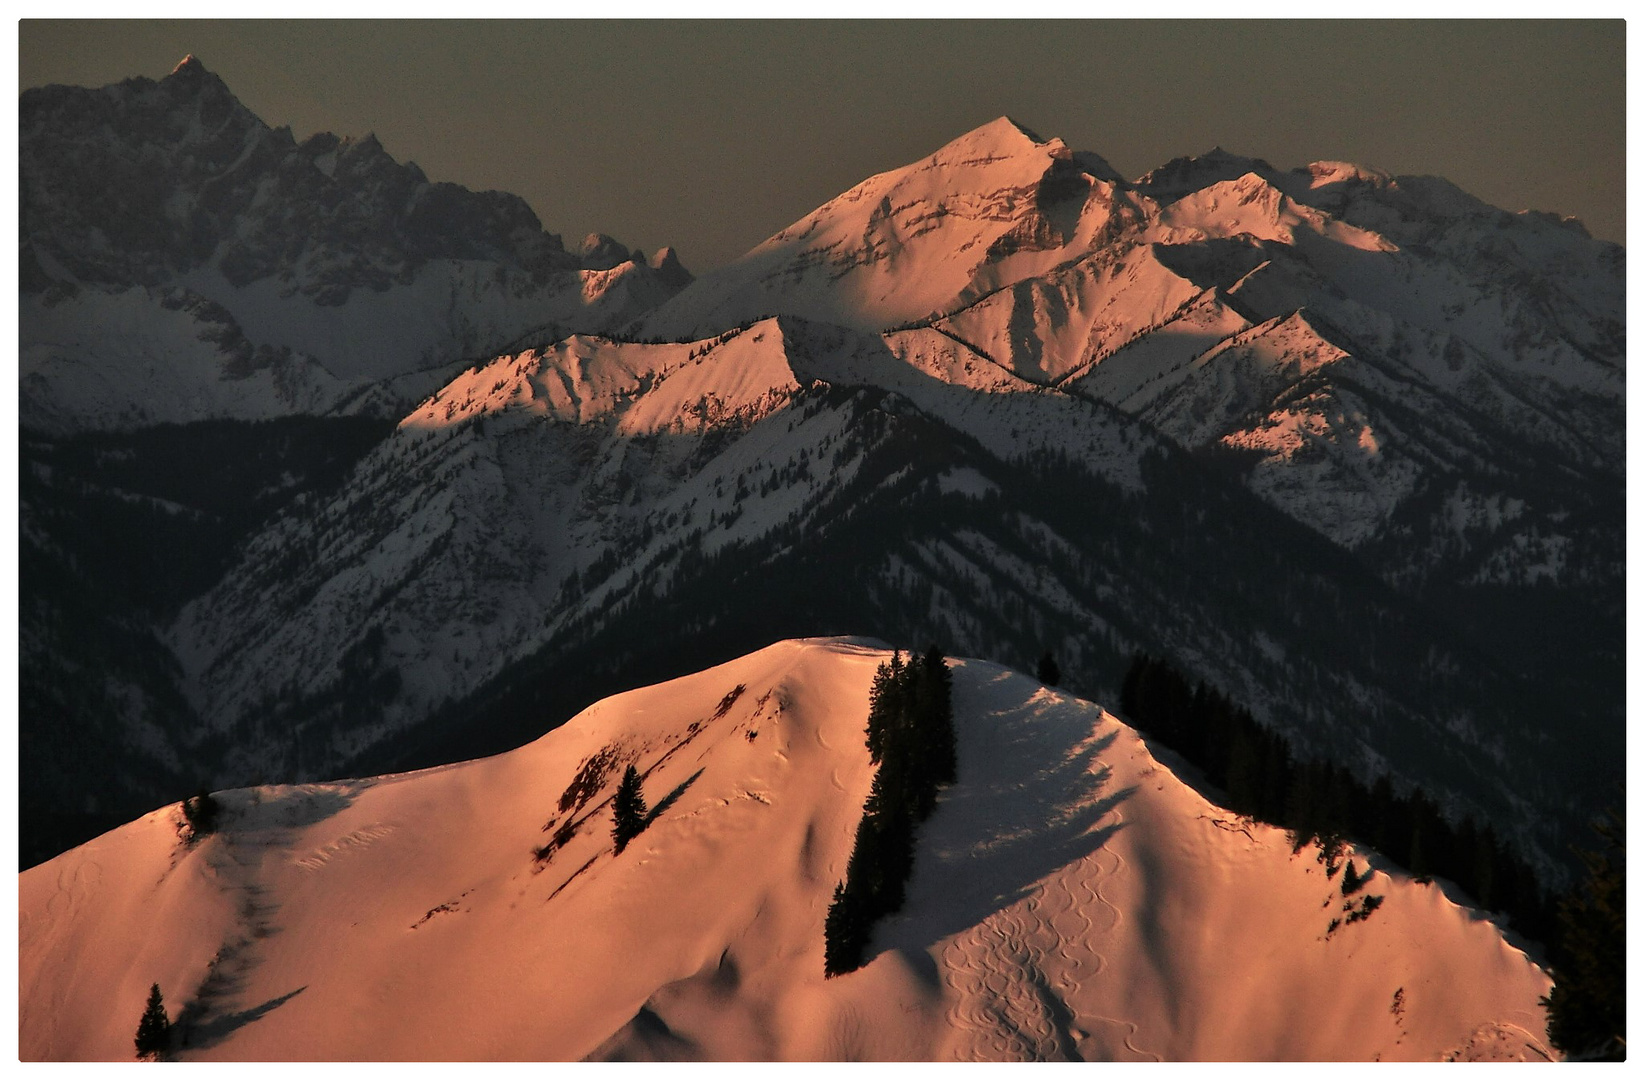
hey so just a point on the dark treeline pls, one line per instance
(1319, 801)
(121, 529)
(1587, 1009)
(911, 739)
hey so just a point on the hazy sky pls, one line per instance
(713, 135)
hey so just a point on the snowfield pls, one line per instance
(1071, 899)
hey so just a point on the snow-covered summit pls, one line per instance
(1183, 175)
(990, 207)
(1071, 899)
(1001, 137)
(1339, 172)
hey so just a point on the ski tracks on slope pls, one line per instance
(1016, 976)
(76, 882)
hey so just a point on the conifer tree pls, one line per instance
(627, 810)
(1129, 691)
(1049, 673)
(885, 704)
(1243, 782)
(845, 934)
(939, 742)
(200, 812)
(154, 1029)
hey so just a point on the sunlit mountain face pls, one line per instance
(330, 471)
(1071, 899)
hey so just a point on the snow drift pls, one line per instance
(1071, 899)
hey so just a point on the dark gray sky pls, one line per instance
(712, 135)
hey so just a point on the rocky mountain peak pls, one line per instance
(136, 183)
(189, 67)
(671, 270)
(1183, 175)
(601, 252)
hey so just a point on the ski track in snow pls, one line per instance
(322, 855)
(71, 889)
(1014, 975)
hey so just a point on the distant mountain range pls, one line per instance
(181, 260)
(398, 479)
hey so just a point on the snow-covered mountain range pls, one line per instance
(183, 260)
(1386, 354)
(1072, 899)
(1344, 444)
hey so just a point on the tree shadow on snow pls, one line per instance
(205, 1032)
(294, 806)
(671, 798)
(1032, 797)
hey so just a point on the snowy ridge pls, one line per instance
(538, 503)
(1071, 900)
(530, 472)
(523, 471)
(142, 356)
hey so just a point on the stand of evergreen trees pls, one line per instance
(911, 739)
(1587, 1009)
(1315, 800)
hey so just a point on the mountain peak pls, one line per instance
(1000, 137)
(189, 66)
(1020, 128)
(1322, 173)
(1059, 809)
(601, 252)
(191, 79)
(671, 269)
(1179, 176)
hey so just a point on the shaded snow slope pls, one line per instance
(134, 358)
(206, 349)
(1071, 899)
